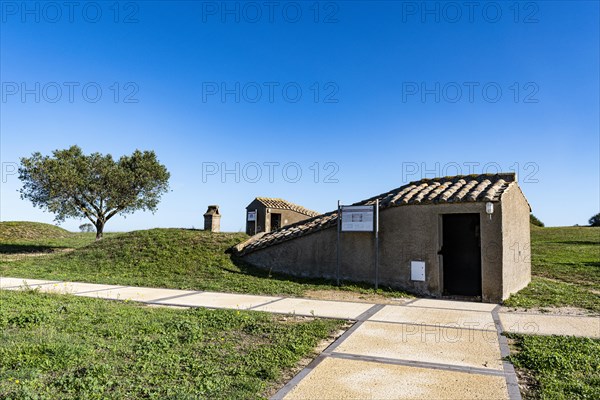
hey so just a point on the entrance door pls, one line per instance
(461, 253)
(275, 222)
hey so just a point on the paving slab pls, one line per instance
(539, 324)
(75, 287)
(434, 316)
(351, 379)
(440, 345)
(19, 283)
(134, 293)
(317, 308)
(453, 305)
(220, 300)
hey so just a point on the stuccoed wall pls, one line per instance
(517, 241)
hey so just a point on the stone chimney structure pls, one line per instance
(212, 219)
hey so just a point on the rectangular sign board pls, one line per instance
(251, 215)
(358, 219)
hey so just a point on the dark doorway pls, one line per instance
(461, 254)
(275, 222)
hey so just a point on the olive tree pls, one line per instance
(71, 184)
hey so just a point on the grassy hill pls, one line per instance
(171, 258)
(18, 238)
(23, 230)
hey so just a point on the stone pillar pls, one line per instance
(212, 219)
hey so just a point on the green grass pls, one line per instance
(30, 230)
(568, 254)
(21, 237)
(565, 264)
(59, 346)
(171, 258)
(558, 367)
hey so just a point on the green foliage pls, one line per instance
(535, 221)
(565, 265)
(68, 347)
(86, 227)
(71, 184)
(172, 258)
(562, 367)
(595, 220)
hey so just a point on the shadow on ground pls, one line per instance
(26, 248)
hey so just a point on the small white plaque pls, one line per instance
(417, 271)
(251, 215)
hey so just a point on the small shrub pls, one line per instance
(535, 221)
(595, 220)
(86, 227)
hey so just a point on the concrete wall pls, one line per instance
(312, 255)
(517, 241)
(407, 233)
(290, 217)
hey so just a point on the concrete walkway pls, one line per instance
(422, 349)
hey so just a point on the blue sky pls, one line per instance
(358, 96)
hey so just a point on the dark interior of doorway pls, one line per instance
(461, 255)
(275, 221)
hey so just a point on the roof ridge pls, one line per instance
(271, 202)
(507, 176)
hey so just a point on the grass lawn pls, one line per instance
(557, 367)
(60, 346)
(565, 265)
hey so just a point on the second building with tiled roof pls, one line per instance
(268, 214)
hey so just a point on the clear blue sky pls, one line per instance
(391, 91)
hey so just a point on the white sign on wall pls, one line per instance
(358, 219)
(251, 215)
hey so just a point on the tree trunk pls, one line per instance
(99, 229)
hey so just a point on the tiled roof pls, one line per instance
(282, 204)
(451, 189)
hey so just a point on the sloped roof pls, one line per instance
(451, 189)
(282, 204)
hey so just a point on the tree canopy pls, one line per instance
(71, 184)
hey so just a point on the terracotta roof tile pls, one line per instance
(281, 204)
(453, 189)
